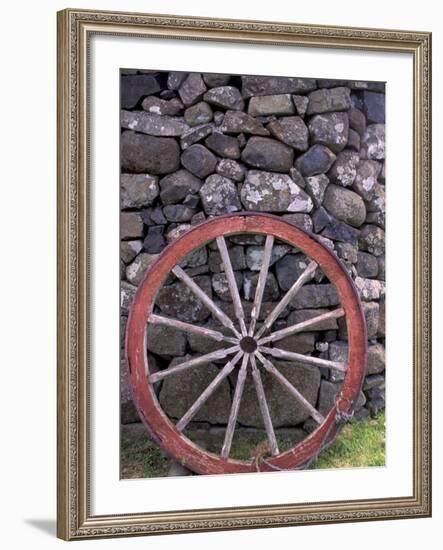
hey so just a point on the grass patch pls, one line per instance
(360, 444)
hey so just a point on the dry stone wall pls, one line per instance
(311, 151)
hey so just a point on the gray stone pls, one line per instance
(344, 169)
(338, 352)
(135, 87)
(300, 315)
(271, 105)
(329, 392)
(138, 190)
(214, 80)
(127, 293)
(268, 154)
(283, 408)
(148, 154)
(357, 121)
(326, 100)
(268, 192)
(290, 130)
(154, 241)
(300, 220)
(153, 125)
(373, 142)
(315, 296)
(317, 160)
(289, 269)
(219, 196)
(381, 275)
(128, 412)
(218, 117)
(236, 254)
(191, 201)
(254, 255)
(341, 231)
(374, 381)
(366, 178)
(230, 169)
(175, 187)
(367, 265)
(320, 219)
(178, 301)
(192, 89)
(195, 259)
(374, 86)
(223, 146)
(347, 252)
(375, 406)
(175, 79)
(177, 232)
(131, 225)
(226, 97)
(246, 239)
(236, 122)
(157, 106)
(378, 200)
(316, 187)
(372, 239)
(303, 343)
(165, 341)
(154, 216)
(369, 289)
(354, 141)
(269, 85)
(371, 314)
(199, 160)
(202, 344)
(129, 250)
(330, 129)
(297, 177)
(374, 107)
(271, 291)
(201, 113)
(179, 392)
(135, 272)
(376, 359)
(301, 104)
(194, 135)
(345, 205)
(198, 218)
(221, 287)
(178, 213)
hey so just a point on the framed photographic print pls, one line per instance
(244, 287)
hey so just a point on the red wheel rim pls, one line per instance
(161, 429)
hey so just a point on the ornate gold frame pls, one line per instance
(75, 28)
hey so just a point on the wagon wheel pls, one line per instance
(246, 347)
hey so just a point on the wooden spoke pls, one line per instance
(238, 308)
(222, 317)
(264, 407)
(285, 382)
(305, 276)
(198, 403)
(235, 407)
(215, 355)
(261, 283)
(187, 327)
(307, 359)
(300, 327)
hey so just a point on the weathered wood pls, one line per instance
(261, 396)
(306, 359)
(305, 276)
(221, 316)
(145, 399)
(207, 358)
(235, 407)
(261, 283)
(187, 327)
(238, 308)
(201, 400)
(285, 382)
(300, 327)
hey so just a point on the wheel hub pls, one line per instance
(248, 344)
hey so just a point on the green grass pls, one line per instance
(360, 444)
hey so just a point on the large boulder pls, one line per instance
(226, 97)
(345, 205)
(326, 100)
(280, 104)
(330, 129)
(138, 190)
(176, 186)
(178, 301)
(219, 195)
(149, 154)
(290, 130)
(317, 160)
(268, 154)
(199, 161)
(269, 85)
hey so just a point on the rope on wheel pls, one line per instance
(341, 418)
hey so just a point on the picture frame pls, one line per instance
(75, 516)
